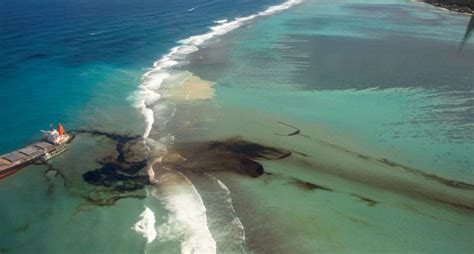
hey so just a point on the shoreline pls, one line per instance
(450, 6)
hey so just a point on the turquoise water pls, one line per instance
(390, 87)
(364, 81)
(407, 93)
(78, 63)
(57, 55)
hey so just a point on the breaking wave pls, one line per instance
(222, 21)
(148, 96)
(187, 219)
(188, 208)
(236, 220)
(146, 225)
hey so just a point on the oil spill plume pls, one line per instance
(231, 155)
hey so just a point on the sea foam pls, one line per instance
(187, 219)
(236, 220)
(147, 95)
(146, 225)
(221, 21)
(187, 209)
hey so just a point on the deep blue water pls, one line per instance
(78, 61)
(54, 55)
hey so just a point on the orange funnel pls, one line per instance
(60, 129)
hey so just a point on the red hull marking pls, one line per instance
(13, 171)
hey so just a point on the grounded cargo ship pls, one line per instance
(54, 142)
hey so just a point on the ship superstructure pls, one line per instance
(55, 141)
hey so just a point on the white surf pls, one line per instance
(146, 225)
(187, 218)
(186, 206)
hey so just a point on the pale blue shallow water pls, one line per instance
(385, 74)
(381, 79)
(56, 54)
(78, 62)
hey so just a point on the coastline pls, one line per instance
(240, 158)
(449, 5)
(326, 185)
(157, 98)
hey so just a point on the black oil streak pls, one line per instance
(232, 155)
(296, 132)
(58, 172)
(368, 201)
(118, 174)
(307, 185)
(433, 177)
(112, 200)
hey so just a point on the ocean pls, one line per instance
(238, 127)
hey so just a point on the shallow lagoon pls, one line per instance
(345, 188)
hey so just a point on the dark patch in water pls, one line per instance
(56, 171)
(393, 184)
(455, 204)
(407, 187)
(296, 131)
(36, 56)
(389, 162)
(368, 201)
(111, 135)
(433, 177)
(112, 200)
(268, 177)
(95, 198)
(124, 172)
(231, 155)
(121, 139)
(22, 228)
(307, 185)
(248, 149)
(114, 175)
(120, 173)
(300, 153)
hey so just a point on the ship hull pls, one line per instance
(43, 155)
(9, 172)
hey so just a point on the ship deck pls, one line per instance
(24, 155)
